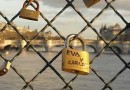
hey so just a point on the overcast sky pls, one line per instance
(69, 21)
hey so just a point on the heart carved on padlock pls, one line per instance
(5, 68)
(75, 61)
(29, 14)
(89, 3)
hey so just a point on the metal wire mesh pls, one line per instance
(48, 63)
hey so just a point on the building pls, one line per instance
(8, 33)
(108, 33)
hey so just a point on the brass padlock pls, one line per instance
(89, 3)
(29, 14)
(73, 60)
(5, 68)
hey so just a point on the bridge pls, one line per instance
(96, 45)
(9, 44)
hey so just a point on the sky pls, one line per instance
(69, 21)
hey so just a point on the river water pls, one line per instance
(28, 63)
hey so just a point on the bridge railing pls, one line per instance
(32, 82)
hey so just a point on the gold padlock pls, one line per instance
(29, 14)
(89, 3)
(5, 68)
(73, 60)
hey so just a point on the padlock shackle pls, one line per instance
(25, 4)
(79, 38)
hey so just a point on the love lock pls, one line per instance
(89, 3)
(5, 68)
(29, 14)
(75, 61)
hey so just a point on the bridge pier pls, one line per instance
(126, 47)
(100, 45)
(48, 45)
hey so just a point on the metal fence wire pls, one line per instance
(67, 84)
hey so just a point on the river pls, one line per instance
(28, 63)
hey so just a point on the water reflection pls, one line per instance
(28, 63)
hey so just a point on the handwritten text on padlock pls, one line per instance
(75, 62)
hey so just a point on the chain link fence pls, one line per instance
(66, 81)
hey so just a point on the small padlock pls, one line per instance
(75, 61)
(5, 68)
(89, 3)
(29, 14)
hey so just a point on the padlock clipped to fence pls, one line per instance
(5, 68)
(73, 60)
(89, 3)
(30, 14)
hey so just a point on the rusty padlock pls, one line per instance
(30, 14)
(73, 60)
(5, 68)
(89, 3)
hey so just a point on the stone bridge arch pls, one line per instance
(7, 47)
(91, 46)
(11, 47)
(117, 49)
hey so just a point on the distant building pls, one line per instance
(10, 34)
(108, 33)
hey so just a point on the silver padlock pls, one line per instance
(5, 68)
